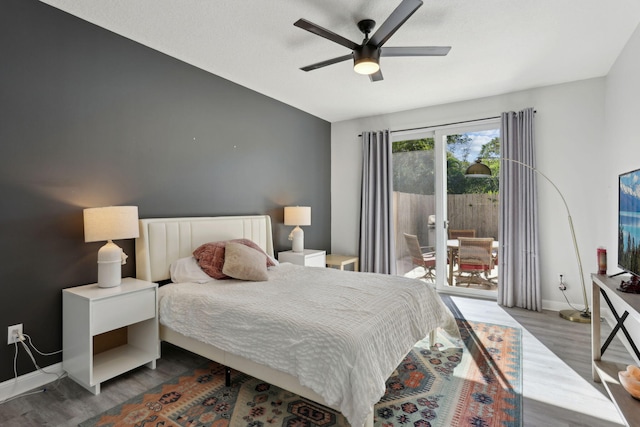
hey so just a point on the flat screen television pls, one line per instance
(629, 223)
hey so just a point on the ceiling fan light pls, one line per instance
(366, 60)
(366, 66)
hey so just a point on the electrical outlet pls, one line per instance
(14, 333)
(562, 286)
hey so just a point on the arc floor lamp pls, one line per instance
(480, 170)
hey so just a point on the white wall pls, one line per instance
(570, 143)
(620, 145)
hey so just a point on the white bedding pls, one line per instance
(340, 333)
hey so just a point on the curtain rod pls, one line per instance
(446, 124)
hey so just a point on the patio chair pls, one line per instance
(475, 261)
(454, 234)
(420, 257)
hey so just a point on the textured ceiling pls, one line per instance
(498, 46)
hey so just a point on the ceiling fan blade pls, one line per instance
(322, 32)
(327, 62)
(376, 77)
(394, 21)
(415, 51)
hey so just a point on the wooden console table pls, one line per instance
(607, 372)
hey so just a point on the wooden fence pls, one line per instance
(465, 211)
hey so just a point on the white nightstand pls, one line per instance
(109, 331)
(308, 257)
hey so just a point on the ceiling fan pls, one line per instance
(366, 56)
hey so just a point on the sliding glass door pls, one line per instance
(415, 186)
(471, 209)
(432, 197)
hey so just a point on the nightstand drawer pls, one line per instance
(316, 260)
(308, 257)
(112, 313)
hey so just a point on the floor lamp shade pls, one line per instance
(110, 223)
(297, 216)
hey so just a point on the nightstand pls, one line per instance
(308, 257)
(109, 331)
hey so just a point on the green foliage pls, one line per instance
(459, 146)
(491, 150)
(413, 166)
(413, 145)
(629, 252)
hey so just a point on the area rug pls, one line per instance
(476, 382)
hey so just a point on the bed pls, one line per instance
(348, 378)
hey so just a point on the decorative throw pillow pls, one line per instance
(244, 263)
(210, 256)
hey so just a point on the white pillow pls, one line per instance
(188, 270)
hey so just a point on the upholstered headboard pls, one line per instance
(164, 240)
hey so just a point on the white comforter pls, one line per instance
(340, 333)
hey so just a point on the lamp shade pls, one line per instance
(297, 215)
(478, 170)
(110, 223)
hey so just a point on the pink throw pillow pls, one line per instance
(210, 256)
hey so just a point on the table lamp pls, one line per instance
(110, 223)
(297, 215)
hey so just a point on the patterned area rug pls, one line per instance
(476, 384)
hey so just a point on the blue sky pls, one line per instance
(479, 139)
(630, 184)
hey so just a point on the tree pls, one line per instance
(459, 146)
(413, 163)
(413, 145)
(491, 150)
(413, 166)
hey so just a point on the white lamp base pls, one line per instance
(110, 260)
(297, 236)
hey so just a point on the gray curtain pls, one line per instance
(519, 278)
(377, 247)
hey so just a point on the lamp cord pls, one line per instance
(567, 299)
(35, 364)
(38, 351)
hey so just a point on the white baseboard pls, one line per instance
(560, 305)
(30, 381)
(556, 305)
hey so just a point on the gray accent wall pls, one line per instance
(89, 118)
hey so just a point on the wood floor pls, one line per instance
(557, 389)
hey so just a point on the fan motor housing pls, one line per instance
(366, 53)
